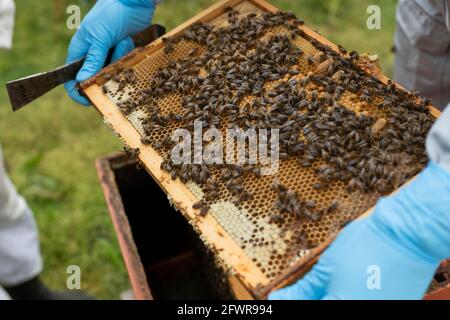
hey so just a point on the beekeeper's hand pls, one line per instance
(110, 23)
(392, 254)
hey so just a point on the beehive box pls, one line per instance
(160, 265)
(260, 253)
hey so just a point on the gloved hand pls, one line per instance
(109, 23)
(392, 254)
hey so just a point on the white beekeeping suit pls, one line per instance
(20, 258)
(422, 46)
(7, 11)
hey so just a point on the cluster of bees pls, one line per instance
(242, 76)
(289, 202)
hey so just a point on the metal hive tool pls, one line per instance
(259, 252)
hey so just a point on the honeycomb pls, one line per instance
(271, 246)
(441, 278)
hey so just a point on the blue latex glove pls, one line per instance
(109, 23)
(392, 254)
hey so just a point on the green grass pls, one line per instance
(50, 147)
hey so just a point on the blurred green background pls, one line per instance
(50, 147)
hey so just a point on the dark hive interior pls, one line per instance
(345, 137)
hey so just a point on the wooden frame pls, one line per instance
(248, 276)
(131, 258)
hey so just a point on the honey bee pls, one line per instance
(276, 218)
(131, 152)
(318, 186)
(333, 207)
(342, 49)
(169, 45)
(204, 211)
(310, 204)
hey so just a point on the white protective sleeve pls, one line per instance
(446, 6)
(20, 257)
(438, 140)
(439, 9)
(7, 12)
